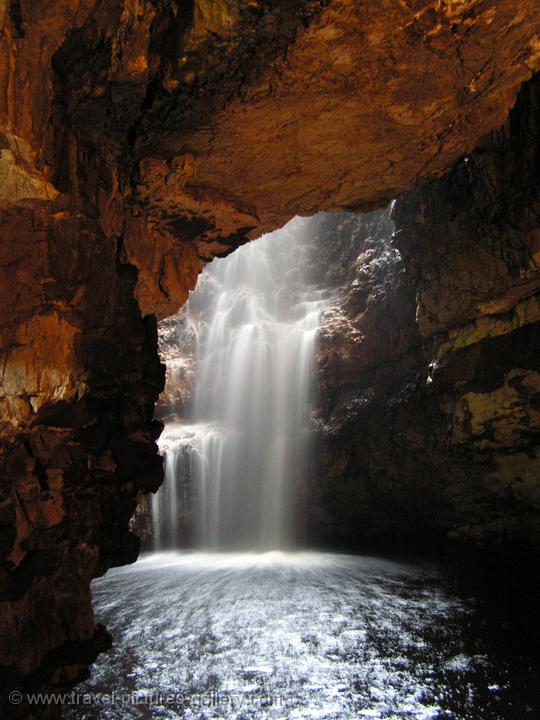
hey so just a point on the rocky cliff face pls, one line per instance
(140, 138)
(429, 362)
(80, 378)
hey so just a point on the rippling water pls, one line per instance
(296, 636)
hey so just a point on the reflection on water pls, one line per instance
(296, 636)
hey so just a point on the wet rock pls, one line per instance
(428, 361)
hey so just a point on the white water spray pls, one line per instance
(246, 444)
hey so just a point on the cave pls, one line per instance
(381, 163)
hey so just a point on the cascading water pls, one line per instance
(247, 438)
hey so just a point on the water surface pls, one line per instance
(290, 636)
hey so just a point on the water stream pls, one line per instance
(245, 444)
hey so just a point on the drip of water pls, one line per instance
(247, 441)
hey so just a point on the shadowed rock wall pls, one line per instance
(429, 363)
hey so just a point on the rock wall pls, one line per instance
(429, 364)
(80, 377)
(139, 139)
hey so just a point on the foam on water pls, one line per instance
(294, 635)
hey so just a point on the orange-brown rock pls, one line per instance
(80, 375)
(225, 120)
(365, 102)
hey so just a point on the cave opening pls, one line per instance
(224, 614)
(253, 361)
(239, 400)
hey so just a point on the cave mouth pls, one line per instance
(243, 623)
(240, 400)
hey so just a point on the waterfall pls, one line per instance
(244, 448)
